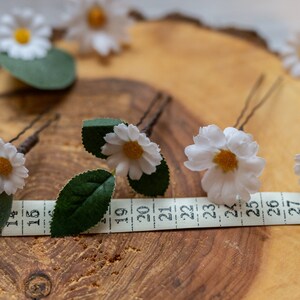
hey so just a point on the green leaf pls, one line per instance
(82, 203)
(5, 208)
(54, 72)
(155, 184)
(93, 132)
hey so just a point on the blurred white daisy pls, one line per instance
(231, 163)
(130, 152)
(24, 35)
(291, 55)
(12, 169)
(99, 25)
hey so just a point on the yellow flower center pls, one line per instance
(133, 150)
(226, 160)
(5, 167)
(96, 17)
(22, 35)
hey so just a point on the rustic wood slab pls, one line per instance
(208, 74)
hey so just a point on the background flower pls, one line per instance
(131, 152)
(12, 169)
(24, 35)
(99, 25)
(291, 55)
(231, 163)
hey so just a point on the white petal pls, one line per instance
(151, 148)
(213, 178)
(241, 144)
(104, 44)
(26, 54)
(214, 134)
(250, 182)
(290, 61)
(295, 70)
(6, 44)
(297, 158)
(198, 165)
(229, 131)
(5, 32)
(297, 169)
(288, 50)
(146, 167)
(123, 168)
(133, 132)
(15, 51)
(9, 187)
(17, 181)
(21, 172)
(115, 159)
(143, 140)
(135, 171)
(112, 138)
(242, 192)
(41, 43)
(38, 52)
(121, 131)
(229, 192)
(197, 153)
(24, 17)
(38, 22)
(154, 160)
(43, 32)
(253, 165)
(109, 149)
(8, 20)
(198, 160)
(222, 187)
(203, 142)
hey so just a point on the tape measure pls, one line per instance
(32, 218)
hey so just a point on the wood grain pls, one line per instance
(209, 75)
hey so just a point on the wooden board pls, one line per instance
(209, 74)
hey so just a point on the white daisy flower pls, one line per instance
(130, 152)
(297, 164)
(24, 35)
(99, 25)
(291, 55)
(231, 163)
(12, 169)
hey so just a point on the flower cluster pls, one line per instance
(229, 158)
(24, 35)
(99, 25)
(130, 152)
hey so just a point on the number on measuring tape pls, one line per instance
(143, 213)
(253, 209)
(294, 208)
(187, 211)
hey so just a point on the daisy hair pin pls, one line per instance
(27, 53)
(12, 165)
(229, 158)
(98, 25)
(129, 153)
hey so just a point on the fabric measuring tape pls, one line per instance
(32, 218)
